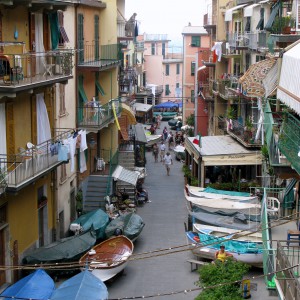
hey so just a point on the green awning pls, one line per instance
(288, 200)
(82, 93)
(99, 88)
(273, 14)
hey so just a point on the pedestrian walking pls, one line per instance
(158, 121)
(171, 140)
(155, 152)
(162, 148)
(168, 161)
(165, 133)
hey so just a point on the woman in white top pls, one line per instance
(168, 161)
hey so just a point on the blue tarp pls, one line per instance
(38, 285)
(167, 105)
(83, 286)
(223, 192)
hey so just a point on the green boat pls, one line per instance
(166, 115)
(65, 250)
(96, 219)
(130, 225)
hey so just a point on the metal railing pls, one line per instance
(29, 68)
(226, 88)
(97, 53)
(114, 160)
(257, 40)
(93, 114)
(24, 166)
(287, 260)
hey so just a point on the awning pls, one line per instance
(142, 107)
(251, 81)
(228, 13)
(288, 90)
(126, 110)
(99, 88)
(248, 10)
(270, 82)
(201, 68)
(125, 175)
(139, 133)
(63, 33)
(223, 151)
(273, 14)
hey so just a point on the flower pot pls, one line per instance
(286, 30)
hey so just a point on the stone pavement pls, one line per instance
(169, 275)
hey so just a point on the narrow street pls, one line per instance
(164, 218)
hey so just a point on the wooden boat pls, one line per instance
(211, 193)
(226, 206)
(205, 246)
(228, 233)
(37, 285)
(65, 250)
(81, 286)
(236, 221)
(108, 258)
(95, 219)
(130, 225)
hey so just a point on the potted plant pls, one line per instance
(283, 25)
(248, 130)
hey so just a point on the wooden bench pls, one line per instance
(196, 263)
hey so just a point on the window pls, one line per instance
(62, 103)
(63, 37)
(193, 66)
(177, 69)
(167, 70)
(192, 96)
(96, 36)
(163, 50)
(260, 25)
(196, 41)
(167, 90)
(177, 85)
(152, 48)
(248, 24)
(80, 37)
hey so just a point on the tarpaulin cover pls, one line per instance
(167, 105)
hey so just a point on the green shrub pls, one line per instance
(215, 274)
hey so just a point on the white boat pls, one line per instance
(179, 152)
(205, 246)
(152, 139)
(228, 233)
(108, 258)
(226, 206)
(196, 191)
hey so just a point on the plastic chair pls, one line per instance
(273, 206)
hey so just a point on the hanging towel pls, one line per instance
(72, 143)
(83, 145)
(82, 162)
(62, 152)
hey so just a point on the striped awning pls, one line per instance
(125, 175)
(288, 90)
(270, 82)
(251, 81)
(126, 110)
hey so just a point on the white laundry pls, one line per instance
(72, 143)
(82, 162)
(83, 145)
(218, 50)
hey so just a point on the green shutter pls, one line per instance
(96, 37)
(80, 38)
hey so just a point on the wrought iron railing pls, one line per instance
(256, 39)
(93, 114)
(29, 68)
(24, 166)
(226, 88)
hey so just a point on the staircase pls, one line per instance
(95, 192)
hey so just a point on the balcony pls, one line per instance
(205, 92)
(257, 40)
(23, 168)
(226, 88)
(139, 46)
(19, 72)
(96, 57)
(97, 116)
(237, 41)
(282, 136)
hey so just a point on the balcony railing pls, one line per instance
(288, 260)
(19, 70)
(257, 40)
(226, 88)
(93, 114)
(139, 46)
(95, 54)
(19, 169)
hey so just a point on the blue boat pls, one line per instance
(83, 286)
(38, 285)
(96, 220)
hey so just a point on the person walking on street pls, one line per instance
(158, 120)
(171, 140)
(168, 161)
(155, 152)
(162, 148)
(165, 133)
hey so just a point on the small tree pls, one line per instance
(221, 273)
(190, 120)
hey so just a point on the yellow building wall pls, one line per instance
(109, 138)
(23, 214)
(108, 23)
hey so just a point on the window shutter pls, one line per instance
(32, 32)
(80, 37)
(10, 129)
(49, 100)
(46, 36)
(96, 37)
